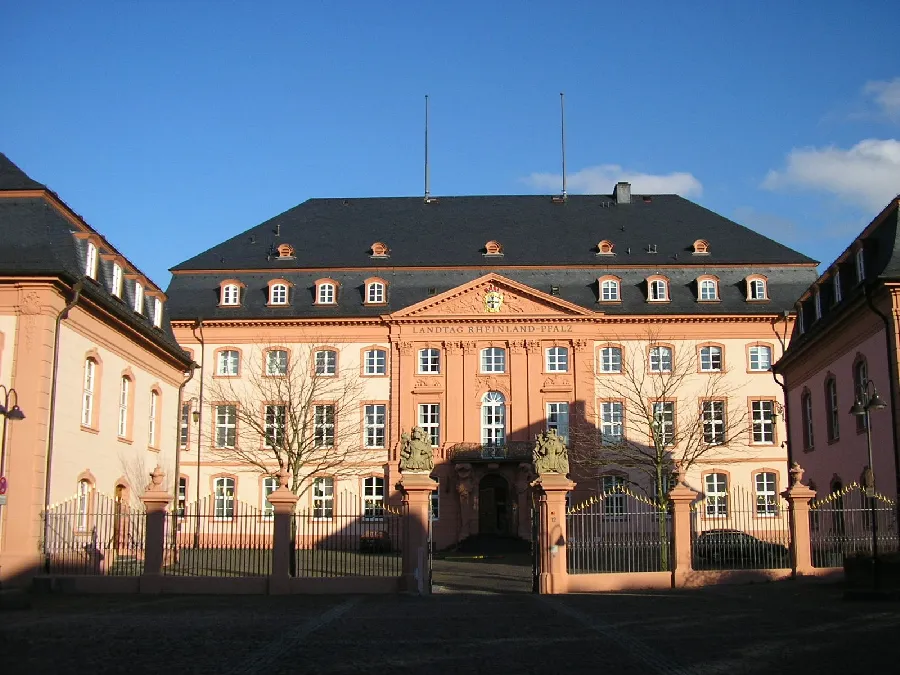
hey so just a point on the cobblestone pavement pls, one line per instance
(772, 628)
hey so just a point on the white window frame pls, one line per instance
(274, 425)
(715, 486)
(429, 361)
(609, 290)
(326, 362)
(493, 360)
(801, 324)
(860, 258)
(138, 297)
(713, 414)
(613, 502)
(373, 498)
(117, 280)
(817, 302)
(375, 362)
(756, 362)
(766, 499)
(665, 411)
(660, 359)
(269, 485)
(763, 419)
(374, 425)
(231, 295)
(326, 294)
(758, 290)
(276, 366)
(612, 427)
(226, 425)
(184, 426)
(493, 419)
(278, 294)
(124, 391)
(181, 501)
(657, 291)
(87, 400)
(223, 495)
(83, 505)
(151, 426)
(323, 498)
(709, 356)
(157, 312)
(709, 290)
(611, 360)
(836, 285)
(834, 414)
(558, 418)
(806, 418)
(557, 359)
(429, 416)
(323, 425)
(435, 504)
(91, 261)
(375, 293)
(228, 363)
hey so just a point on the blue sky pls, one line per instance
(171, 126)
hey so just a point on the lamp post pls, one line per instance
(867, 399)
(8, 413)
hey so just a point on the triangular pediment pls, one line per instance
(491, 296)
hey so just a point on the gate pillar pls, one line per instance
(156, 500)
(798, 497)
(416, 489)
(681, 497)
(283, 501)
(550, 493)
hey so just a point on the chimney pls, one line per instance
(622, 193)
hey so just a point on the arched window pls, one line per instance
(375, 293)
(610, 359)
(832, 412)
(766, 501)
(276, 362)
(657, 290)
(756, 289)
(124, 394)
(157, 312)
(660, 359)
(116, 288)
(326, 293)
(493, 360)
(380, 250)
(493, 248)
(138, 297)
(375, 362)
(836, 285)
(87, 400)
(817, 302)
(90, 264)
(605, 247)
(228, 363)
(701, 247)
(224, 498)
(806, 415)
(278, 294)
(153, 421)
(269, 485)
(609, 290)
(760, 358)
(708, 290)
(231, 294)
(83, 505)
(326, 362)
(860, 265)
(493, 419)
(711, 359)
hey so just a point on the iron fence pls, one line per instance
(618, 531)
(93, 533)
(341, 537)
(740, 530)
(841, 525)
(220, 537)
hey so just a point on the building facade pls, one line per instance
(845, 344)
(87, 361)
(641, 329)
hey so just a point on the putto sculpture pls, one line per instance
(415, 451)
(550, 454)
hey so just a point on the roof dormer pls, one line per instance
(493, 248)
(285, 252)
(605, 247)
(701, 247)
(380, 250)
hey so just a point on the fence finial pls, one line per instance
(156, 480)
(283, 476)
(679, 473)
(796, 474)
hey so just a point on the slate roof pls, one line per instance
(38, 241)
(533, 230)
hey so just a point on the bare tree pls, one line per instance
(289, 409)
(659, 410)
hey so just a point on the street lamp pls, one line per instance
(13, 412)
(867, 400)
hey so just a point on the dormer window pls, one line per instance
(326, 292)
(836, 286)
(493, 248)
(707, 289)
(90, 264)
(285, 251)
(231, 295)
(380, 250)
(817, 301)
(138, 297)
(860, 265)
(117, 280)
(657, 289)
(605, 247)
(756, 288)
(701, 247)
(157, 312)
(375, 291)
(278, 292)
(610, 290)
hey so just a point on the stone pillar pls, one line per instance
(156, 501)
(551, 490)
(284, 502)
(681, 498)
(798, 497)
(416, 488)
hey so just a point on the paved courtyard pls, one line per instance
(772, 628)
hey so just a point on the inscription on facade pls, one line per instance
(490, 329)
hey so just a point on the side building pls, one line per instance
(640, 328)
(90, 375)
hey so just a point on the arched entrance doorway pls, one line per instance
(493, 505)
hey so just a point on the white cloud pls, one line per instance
(887, 96)
(601, 180)
(868, 174)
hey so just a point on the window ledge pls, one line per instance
(90, 430)
(123, 439)
(152, 449)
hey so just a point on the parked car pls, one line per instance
(736, 549)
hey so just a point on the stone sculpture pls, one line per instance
(550, 454)
(415, 451)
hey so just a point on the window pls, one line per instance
(373, 497)
(87, 401)
(323, 418)
(493, 419)
(276, 416)
(90, 265)
(609, 290)
(373, 425)
(430, 421)
(231, 294)
(375, 362)
(184, 430)
(611, 360)
(657, 290)
(836, 286)
(278, 294)
(436, 501)
(181, 504)
(224, 498)
(664, 422)
(276, 362)
(760, 358)
(558, 419)
(557, 360)
(325, 295)
(711, 359)
(766, 505)
(269, 485)
(801, 324)
(807, 420)
(763, 417)
(124, 391)
(323, 498)
(716, 495)
(611, 427)
(151, 428)
(157, 312)
(226, 426)
(326, 362)
(757, 289)
(228, 362)
(817, 301)
(713, 422)
(860, 377)
(613, 497)
(831, 410)
(860, 265)
(660, 359)
(375, 293)
(708, 290)
(117, 280)
(84, 499)
(429, 361)
(493, 360)
(138, 298)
